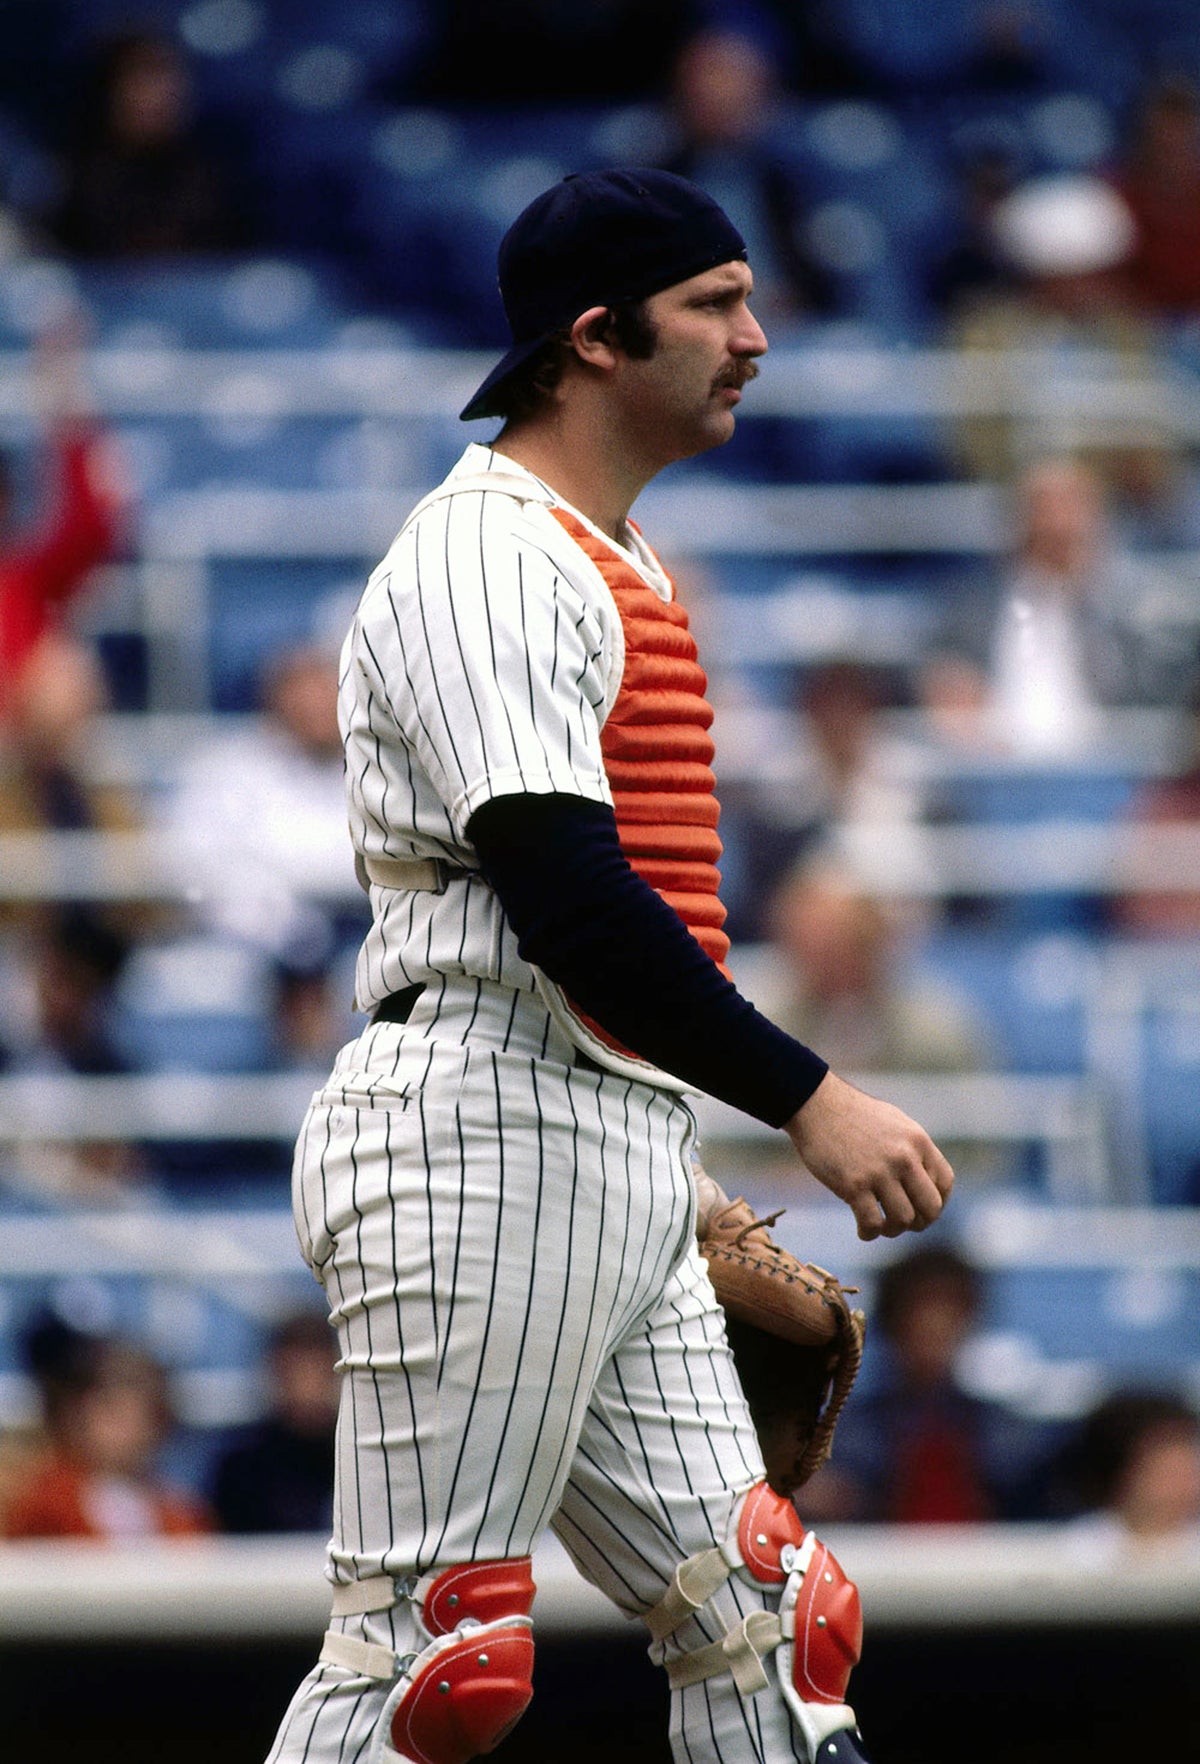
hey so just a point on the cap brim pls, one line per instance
(482, 404)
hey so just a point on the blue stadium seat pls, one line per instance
(195, 1004)
(1168, 1079)
(257, 608)
(1033, 992)
(1095, 1314)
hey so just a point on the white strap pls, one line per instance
(693, 1583)
(739, 1652)
(354, 1598)
(368, 1659)
(421, 875)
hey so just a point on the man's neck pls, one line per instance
(581, 472)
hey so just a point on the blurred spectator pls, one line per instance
(43, 567)
(139, 181)
(73, 960)
(1073, 626)
(1160, 181)
(845, 986)
(721, 93)
(256, 821)
(1133, 1469)
(1165, 902)
(278, 1475)
(915, 1447)
(1067, 241)
(973, 268)
(822, 773)
(44, 782)
(107, 1416)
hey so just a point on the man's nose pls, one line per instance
(751, 338)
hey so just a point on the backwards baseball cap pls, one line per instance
(599, 239)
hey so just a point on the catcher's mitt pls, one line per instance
(797, 1344)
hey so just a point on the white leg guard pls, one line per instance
(463, 1692)
(816, 1634)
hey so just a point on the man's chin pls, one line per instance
(716, 429)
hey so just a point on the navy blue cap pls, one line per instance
(598, 239)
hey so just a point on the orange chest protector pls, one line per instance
(657, 748)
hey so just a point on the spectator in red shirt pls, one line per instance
(1160, 181)
(107, 1415)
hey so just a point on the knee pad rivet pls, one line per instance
(483, 1659)
(444, 1688)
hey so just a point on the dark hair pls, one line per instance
(527, 390)
(1098, 1456)
(923, 1270)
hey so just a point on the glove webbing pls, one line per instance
(851, 1333)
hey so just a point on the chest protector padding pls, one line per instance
(658, 751)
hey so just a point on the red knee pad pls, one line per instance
(470, 1686)
(823, 1601)
(769, 1535)
(828, 1629)
(479, 1592)
(465, 1693)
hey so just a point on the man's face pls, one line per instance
(684, 395)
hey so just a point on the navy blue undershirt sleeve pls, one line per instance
(624, 956)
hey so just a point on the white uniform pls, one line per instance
(505, 1233)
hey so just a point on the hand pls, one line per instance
(871, 1155)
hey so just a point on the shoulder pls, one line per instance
(475, 538)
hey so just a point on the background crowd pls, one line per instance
(998, 182)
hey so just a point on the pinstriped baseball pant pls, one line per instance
(528, 1337)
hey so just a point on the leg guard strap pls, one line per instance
(367, 1659)
(693, 1583)
(740, 1651)
(766, 1541)
(481, 1590)
(355, 1598)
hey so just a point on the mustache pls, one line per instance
(737, 376)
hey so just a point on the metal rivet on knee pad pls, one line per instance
(761, 1538)
(822, 1622)
(444, 1687)
(483, 1659)
(829, 1579)
(452, 1600)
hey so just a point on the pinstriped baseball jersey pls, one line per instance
(485, 654)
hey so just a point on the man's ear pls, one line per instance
(591, 337)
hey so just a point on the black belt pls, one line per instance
(397, 1007)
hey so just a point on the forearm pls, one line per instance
(625, 957)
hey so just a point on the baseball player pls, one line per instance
(495, 1187)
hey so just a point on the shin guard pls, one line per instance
(815, 1636)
